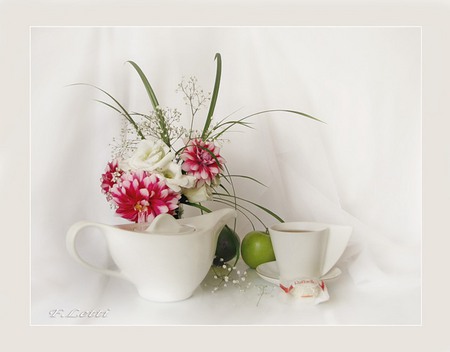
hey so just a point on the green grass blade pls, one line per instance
(224, 188)
(249, 178)
(148, 87)
(124, 111)
(238, 208)
(240, 121)
(226, 117)
(110, 106)
(140, 114)
(212, 154)
(227, 203)
(287, 111)
(255, 204)
(246, 124)
(230, 126)
(230, 181)
(215, 93)
(154, 101)
(198, 206)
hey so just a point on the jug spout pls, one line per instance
(219, 218)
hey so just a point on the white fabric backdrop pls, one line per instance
(361, 168)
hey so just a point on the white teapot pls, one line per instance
(167, 259)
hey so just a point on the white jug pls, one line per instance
(165, 260)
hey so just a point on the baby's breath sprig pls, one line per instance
(123, 147)
(150, 124)
(264, 290)
(228, 275)
(194, 97)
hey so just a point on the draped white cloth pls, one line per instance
(361, 168)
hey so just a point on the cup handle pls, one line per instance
(71, 237)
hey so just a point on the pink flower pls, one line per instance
(200, 162)
(110, 177)
(140, 196)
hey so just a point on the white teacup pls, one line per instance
(307, 249)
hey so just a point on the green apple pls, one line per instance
(257, 249)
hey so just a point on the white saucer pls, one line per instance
(269, 272)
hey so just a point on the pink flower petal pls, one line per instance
(143, 193)
(162, 209)
(204, 174)
(199, 162)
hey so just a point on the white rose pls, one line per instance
(149, 156)
(174, 177)
(196, 195)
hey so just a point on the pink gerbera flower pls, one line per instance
(200, 162)
(110, 177)
(140, 196)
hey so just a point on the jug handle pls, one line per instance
(71, 237)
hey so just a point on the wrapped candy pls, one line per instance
(307, 290)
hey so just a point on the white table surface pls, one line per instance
(254, 302)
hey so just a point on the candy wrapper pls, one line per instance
(312, 291)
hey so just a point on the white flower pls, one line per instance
(149, 156)
(196, 195)
(174, 177)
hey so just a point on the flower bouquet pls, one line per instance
(159, 166)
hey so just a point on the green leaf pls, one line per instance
(215, 93)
